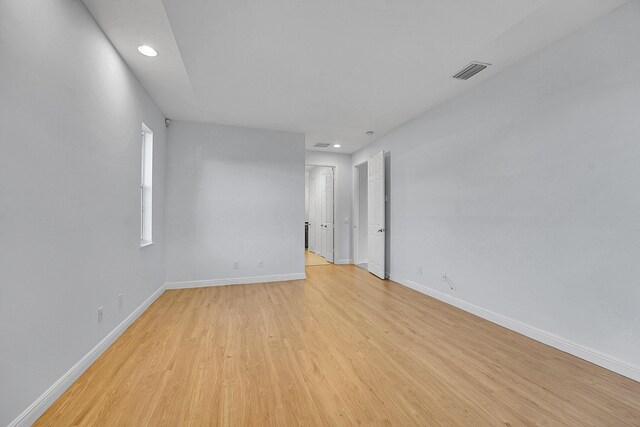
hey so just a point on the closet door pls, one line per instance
(312, 216)
(327, 215)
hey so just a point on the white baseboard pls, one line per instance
(621, 367)
(37, 408)
(235, 281)
(343, 261)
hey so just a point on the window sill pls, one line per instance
(145, 244)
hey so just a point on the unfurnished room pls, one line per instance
(319, 213)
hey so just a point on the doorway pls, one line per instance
(371, 214)
(320, 214)
(360, 177)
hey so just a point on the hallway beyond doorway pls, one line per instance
(319, 211)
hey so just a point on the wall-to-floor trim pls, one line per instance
(621, 367)
(37, 408)
(343, 261)
(235, 281)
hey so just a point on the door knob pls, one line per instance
(381, 230)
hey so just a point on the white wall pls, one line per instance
(233, 195)
(524, 191)
(70, 117)
(343, 208)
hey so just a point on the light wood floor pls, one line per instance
(314, 259)
(340, 348)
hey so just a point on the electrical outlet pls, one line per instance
(419, 271)
(260, 263)
(120, 301)
(100, 314)
(236, 265)
(444, 277)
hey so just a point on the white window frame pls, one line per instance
(146, 188)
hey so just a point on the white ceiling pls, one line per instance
(331, 69)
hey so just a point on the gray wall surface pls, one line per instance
(70, 155)
(233, 195)
(524, 191)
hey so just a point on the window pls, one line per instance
(146, 193)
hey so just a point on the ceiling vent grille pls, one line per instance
(470, 70)
(322, 145)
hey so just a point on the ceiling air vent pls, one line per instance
(322, 145)
(470, 70)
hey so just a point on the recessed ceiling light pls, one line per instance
(147, 50)
(337, 145)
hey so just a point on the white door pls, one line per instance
(318, 226)
(376, 219)
(322, 237)
(312, 215)
(327, 215)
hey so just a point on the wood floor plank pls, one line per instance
(340, 348)
(314, 259)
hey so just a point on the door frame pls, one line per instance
(355, 230)
(335, 204)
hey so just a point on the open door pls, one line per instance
(327, 215)
(376, 219)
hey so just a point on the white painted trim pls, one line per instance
(343, 261)
(355, 211)
(608, 362)
(37, 408)
(235, 281)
